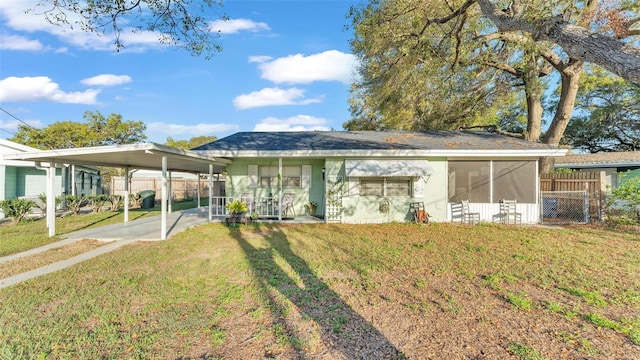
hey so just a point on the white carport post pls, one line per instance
(198, 190)
(280, 189)
(51, 198)
(163, 206)
(73, 180)
(170, 191)
(210, 192)
(126, 194)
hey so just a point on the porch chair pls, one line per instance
(508, 211)
(287, 203)
(469, 217)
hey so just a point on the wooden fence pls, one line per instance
(180, 188)
(593, 182)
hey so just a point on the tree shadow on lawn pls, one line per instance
(342, 331)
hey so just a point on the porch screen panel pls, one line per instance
(514, 180)
(469, 180)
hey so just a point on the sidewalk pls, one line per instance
(146, 229)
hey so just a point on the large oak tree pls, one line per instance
(448, 64)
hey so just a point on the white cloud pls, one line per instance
(330, 65)
(107, 80)
(295, 123)
(234, 26)
(259, 58)
(15, 14)
(15, 42)
(273, 96)
(179, 131)
(42, 88)
(12, 125)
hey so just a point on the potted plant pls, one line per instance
(311, 207)
(237, 209)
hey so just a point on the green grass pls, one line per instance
(281, 291)
(525, 352)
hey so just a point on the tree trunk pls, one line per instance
(533, 90)
(570, 81)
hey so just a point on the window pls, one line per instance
(385, 187)
(514, 180)
(291, 176)
(469, 180)
(492, 181)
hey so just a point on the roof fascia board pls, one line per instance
(193, 155)
(385, 153)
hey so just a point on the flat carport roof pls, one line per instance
(149, 156)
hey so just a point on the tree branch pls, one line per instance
(578, 42)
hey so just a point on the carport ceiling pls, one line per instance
(136, 156)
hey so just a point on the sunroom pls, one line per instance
(487, 183)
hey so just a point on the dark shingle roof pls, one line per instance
(369, 140)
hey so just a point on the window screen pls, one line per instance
(385, 187)
(514, 180)
(371, 187)
(291, 176)
(398, 187)
(469, 180)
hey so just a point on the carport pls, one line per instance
(147, 156)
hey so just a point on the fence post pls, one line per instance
(586, 207)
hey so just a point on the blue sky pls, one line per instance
(286, 65)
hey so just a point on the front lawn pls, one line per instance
(339, 292)
(32, 233)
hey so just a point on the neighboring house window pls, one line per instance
(291, 176)
(385, 187)
(492, 181)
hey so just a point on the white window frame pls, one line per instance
(385, 180)
(272, 177)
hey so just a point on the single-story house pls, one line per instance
(27, 179)
(612, 163)
(373, 177)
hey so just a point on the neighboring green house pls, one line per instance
(612, 163)
(373, 177)
(23, 179)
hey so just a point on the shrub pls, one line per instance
(237, 207)
(42, 204)
(135, 200)
(116, 202)
(623, 206)
(97, 202)
(17, 208)
(74, 203)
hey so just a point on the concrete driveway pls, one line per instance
(118, 235)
